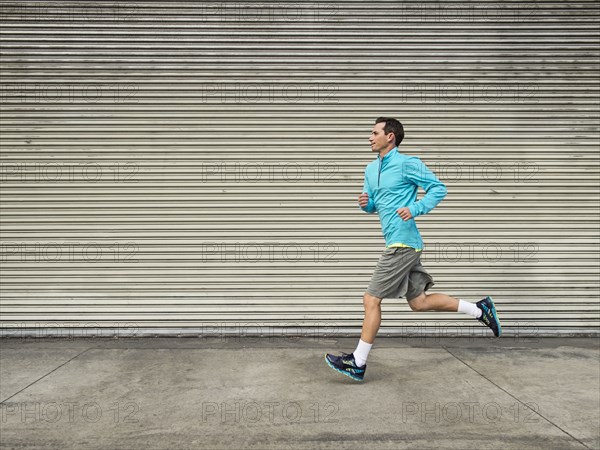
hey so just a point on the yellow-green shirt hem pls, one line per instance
(398, 244)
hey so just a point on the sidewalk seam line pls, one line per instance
(511, 395)
(45, 375)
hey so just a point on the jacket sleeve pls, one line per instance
(435, 191)
(370, 208)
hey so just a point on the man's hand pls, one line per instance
(363, 200)
(404, 213)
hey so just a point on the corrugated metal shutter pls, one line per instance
(194, 167)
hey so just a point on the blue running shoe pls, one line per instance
(489, 316)
(346, 365)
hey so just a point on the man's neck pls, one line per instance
(382, 153)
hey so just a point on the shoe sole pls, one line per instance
(341, 371)
(495, 316)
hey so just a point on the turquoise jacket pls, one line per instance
(392, 183)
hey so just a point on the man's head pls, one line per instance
(387, 134)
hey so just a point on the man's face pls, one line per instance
(379, 140)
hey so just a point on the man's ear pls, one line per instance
(393, 137)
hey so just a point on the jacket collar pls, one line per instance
(389, 154)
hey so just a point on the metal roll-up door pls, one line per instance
(193, 167)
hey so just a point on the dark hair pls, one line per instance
(392, 126)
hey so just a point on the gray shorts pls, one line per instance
(399, 273)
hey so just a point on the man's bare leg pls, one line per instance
(484, 310)
(354, 365)
(371, 322)
(372, 318)
(433, 302)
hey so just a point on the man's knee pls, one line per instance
(418, 303)
(370, 301)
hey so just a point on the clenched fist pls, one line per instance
(404, 213)
(363, 199)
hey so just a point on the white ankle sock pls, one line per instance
(362, 352)
(469, 308)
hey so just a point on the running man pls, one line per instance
(390, 190)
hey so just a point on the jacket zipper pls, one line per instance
(379, 174)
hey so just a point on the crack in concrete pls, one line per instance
(517, 399)
(45, 375)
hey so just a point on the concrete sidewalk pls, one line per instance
(179, 393)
